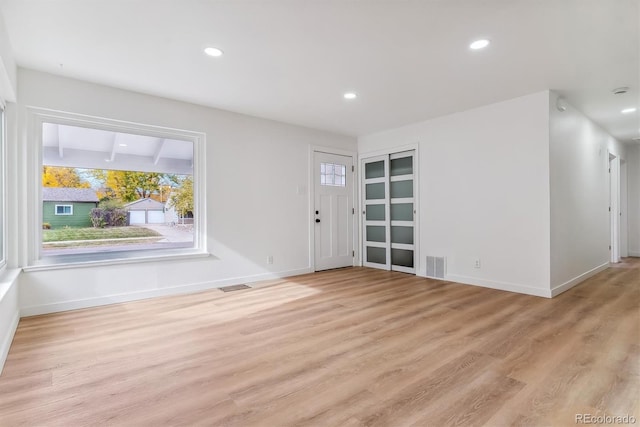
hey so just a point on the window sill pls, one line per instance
(70, 261)
(8, 277)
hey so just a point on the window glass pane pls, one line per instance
(402, 257)
(374, 191)
(374, 169)
(331, 174)
(376, 255)
(64, 209)
(401, 189)
(402, 166)
(376, 233)
(106, 191)
(375, 212)
(401, 234)
(402, 212)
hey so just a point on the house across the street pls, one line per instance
(145, 211)
(70, 207)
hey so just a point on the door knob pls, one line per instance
(317, 220)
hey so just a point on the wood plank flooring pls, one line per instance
(351, 347)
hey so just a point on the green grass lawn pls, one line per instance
(65, 234)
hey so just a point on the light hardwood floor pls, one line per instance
(340, 348)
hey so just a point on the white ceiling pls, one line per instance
(291, 60)
(64, 145)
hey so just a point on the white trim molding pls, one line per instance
(5, 345)
(9, 311)
(503, 286)
(578, 279)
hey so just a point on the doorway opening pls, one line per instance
(614, 207)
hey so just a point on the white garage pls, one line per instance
(145, 211)
(155, 217)
(137, 217)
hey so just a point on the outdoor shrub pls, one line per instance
(97, 218)
(110, 217)
(46, 226)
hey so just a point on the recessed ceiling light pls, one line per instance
(122, 145)
(350, 95)
(628, 110)
(213, 51)
(479, 44)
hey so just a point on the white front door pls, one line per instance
(333, 210)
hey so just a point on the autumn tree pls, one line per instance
(129, 186)
(164, 191)
(53, 176)
(182, 197)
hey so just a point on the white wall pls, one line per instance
(7, 65)
(254, 167)
(9, 305)
(9, 311)
(484, 192)
(633, 190)
(580, 225)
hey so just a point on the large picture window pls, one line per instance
(110, 192)
(2, 189)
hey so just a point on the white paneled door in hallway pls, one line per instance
(333, 210)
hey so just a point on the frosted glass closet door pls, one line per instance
(402, 211)
(376, 230)
(389, 212)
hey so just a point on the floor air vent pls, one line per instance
(435, 267)
(234, 288)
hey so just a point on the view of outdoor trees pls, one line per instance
(102, 215)
(129, 186)
(62, 177)
(125, 186)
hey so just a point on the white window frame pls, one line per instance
(36, 118)
(70, 209)
(3, 187)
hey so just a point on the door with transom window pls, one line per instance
(333, 211)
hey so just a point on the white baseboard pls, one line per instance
(503, 286)
(5, 345)
(174, 290)
(581, 278)
(634, 253)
